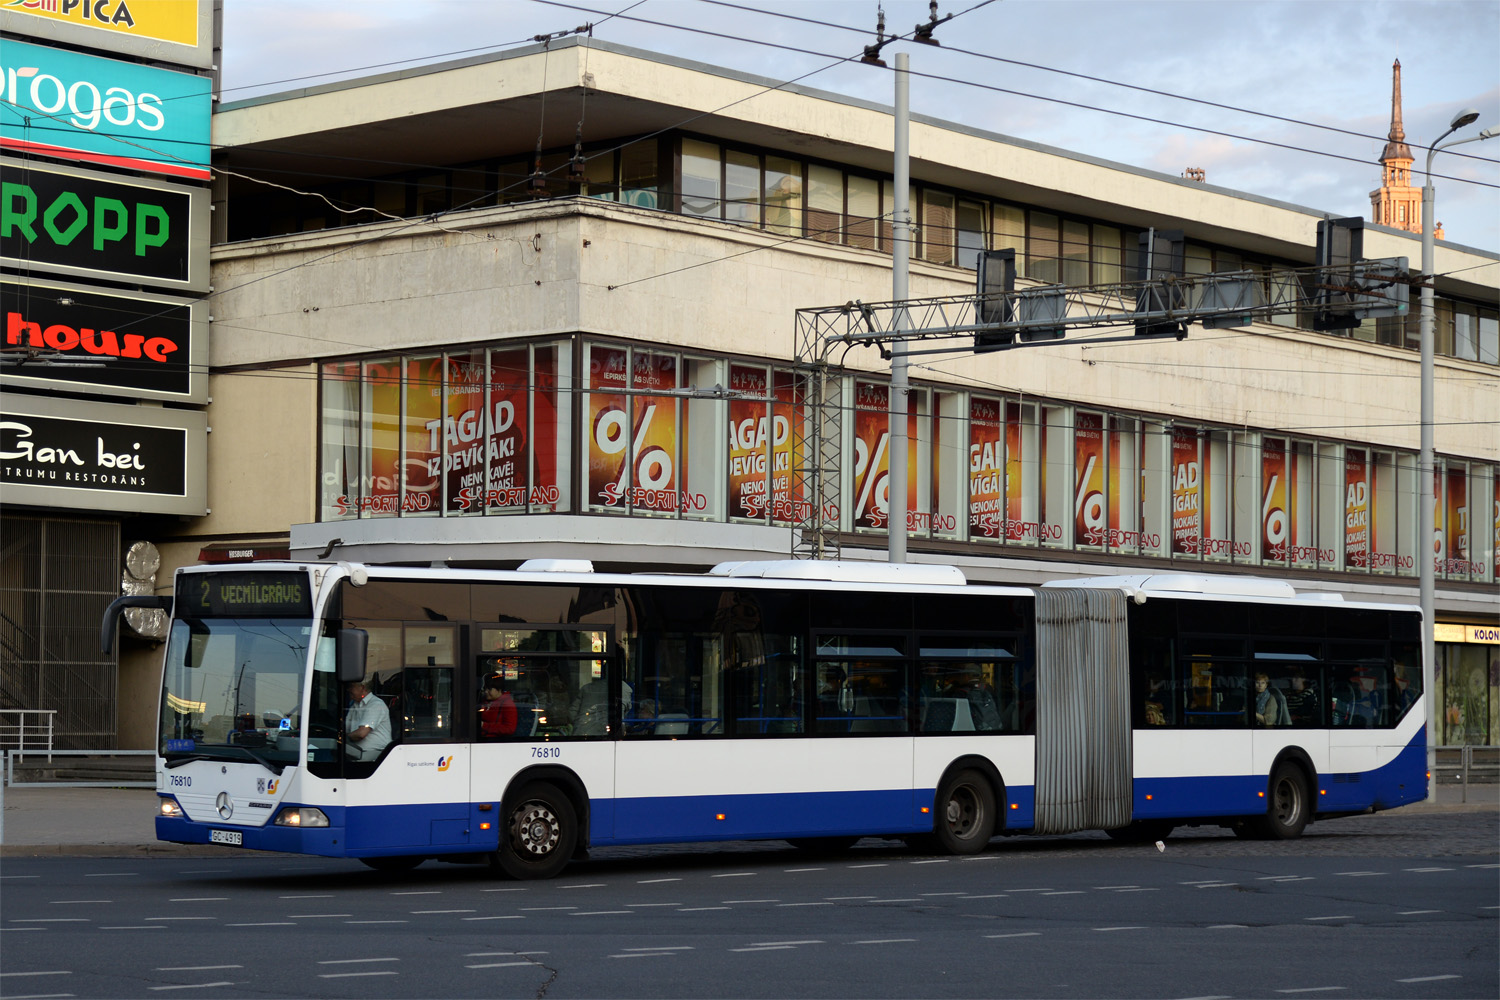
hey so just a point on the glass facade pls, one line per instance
(489, 430)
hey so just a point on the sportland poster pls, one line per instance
(872, 420)
(1187, 493)
(490, 458)
(1276, 523)
(1015, 527)
(1356, 508)
(761, 456)
(633, 454)
(986, 468)
(1090, 509)
(1456, 524)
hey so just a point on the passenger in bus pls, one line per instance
(497, 716)
(591, 709)
(1302, 702)
(367, 725)
(969, 684)
(1156, 701)
(1367, 709)
(1270, 706)
(1404, 693)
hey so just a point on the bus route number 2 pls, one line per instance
(546, 751)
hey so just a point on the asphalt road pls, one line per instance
(1398, 905)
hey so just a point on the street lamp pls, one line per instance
(1426, 518)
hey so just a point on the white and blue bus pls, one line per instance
(536, 713)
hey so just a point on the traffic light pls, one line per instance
(995, 285)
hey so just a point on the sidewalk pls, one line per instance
(111, 822)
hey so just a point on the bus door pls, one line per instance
(414, 792)
(542, 698)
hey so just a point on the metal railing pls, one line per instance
(1466, 765)
(32, 729)
(12, 756)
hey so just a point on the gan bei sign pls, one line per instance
(95, 225)
(103, 111)
(70, 338)
(102, 456)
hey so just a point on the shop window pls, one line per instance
(700, 179)
(1057, 485)
(1010, 233)
(640, 174)
(1042, 248)
(825, 203)
(864, 212)
(1075, 253)
(970, 233)
(937, 227)
(783, 182)
(1107, 255)
(742, 196)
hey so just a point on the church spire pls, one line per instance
(1395, 147)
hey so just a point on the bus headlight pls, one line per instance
(171, 808)
(304, 816)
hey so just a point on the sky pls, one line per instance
(1309, 63)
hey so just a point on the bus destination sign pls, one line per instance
(247, 594)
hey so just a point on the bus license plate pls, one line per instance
(234, 837)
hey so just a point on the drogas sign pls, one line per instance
(55, 102)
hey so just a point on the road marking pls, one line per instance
(795, 870)
(1466, 866)
(785, 944)
(312, 916)
(22, 929)
(653, 904)
(499, 965)
(377, 921)
(1215, 885)
(354, 961)
(733, 875)
(731, 902)
(1313, 989)
(534, 908)
(1143, 889)
(4, 877)
(49, 972)
(1428, 870)
(179, 918)
(584, 885)
(882, 865)
(1357, 875)
(887, 941)
(779, 947)
(1016, 934)
(913, 899)
(192, 986)
(206, 871)
(418, 912)
(600, 913)
(63, 902)
(110, 875)
(930, 861)
(700, 909)
(266, 923)
(981, 857)
(838, 899)
(502, 954)
(942, 894)
(1413, 913)
(1206, 881)
(418, 892)
(1228, 927)
(49, 920)
(1428, 979)
(647, 954)
(1116, 887)
(1344, 917)
(662, 947)
(195, 968)
(199, 899)
(653, 881)
(1277, 878)
(511, 916)
(778, 904)
(993, 895)
(128, 927)
(511, 888)
(350, 975)
(326, 895)
(1028, 890)
(1134, 927)
(1063, 892)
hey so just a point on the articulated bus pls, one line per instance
(522, 717)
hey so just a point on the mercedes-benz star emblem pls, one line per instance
(225, 805)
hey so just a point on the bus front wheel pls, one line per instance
(965, 813)
(541, 830)
(1286, 804)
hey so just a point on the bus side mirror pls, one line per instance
(111, 621)
(354, 644)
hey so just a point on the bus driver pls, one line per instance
(367, 727)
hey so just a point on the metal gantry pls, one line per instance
(1038, 316)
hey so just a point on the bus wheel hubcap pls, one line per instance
(961, 811)
(536, 829)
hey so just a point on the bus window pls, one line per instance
(678, 684)
(967, 697)
(1358, 694)
(861, 696)
(1217, 693)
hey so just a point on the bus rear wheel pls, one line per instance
(540, 833)
(965, 813)
(1286, 805)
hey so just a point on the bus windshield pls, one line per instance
(232, 689)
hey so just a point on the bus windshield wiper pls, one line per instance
(214, 754)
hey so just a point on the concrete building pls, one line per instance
(431, 345)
